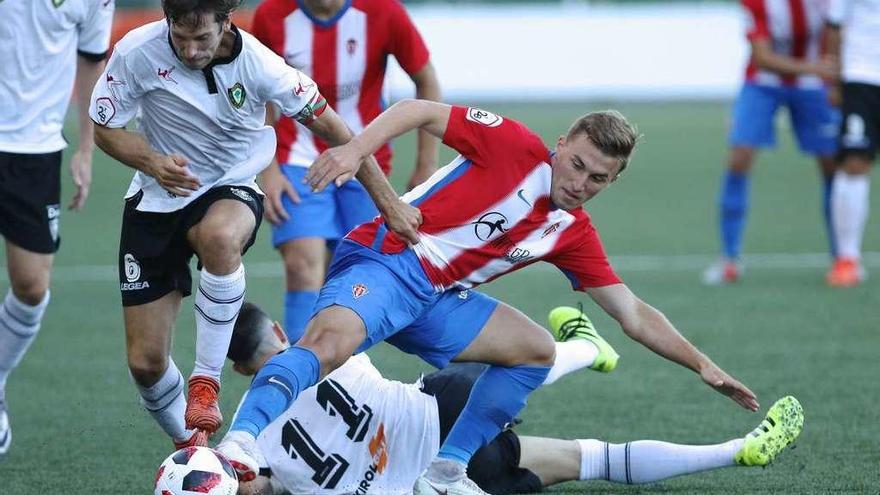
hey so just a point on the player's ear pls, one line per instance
(279, 332)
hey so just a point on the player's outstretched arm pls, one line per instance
(400, 217)
(133, 150)
(648, 326)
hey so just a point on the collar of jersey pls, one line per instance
(236, 50)
(329, 22)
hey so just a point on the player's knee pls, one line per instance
(544, 352)
(740, 160)
(220, 248)
(31, 291)
(146, 370)
(332, 346)
(303, 272)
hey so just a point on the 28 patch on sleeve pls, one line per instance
(483, 117)
(104, 110)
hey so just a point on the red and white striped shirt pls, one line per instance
(489, 211)
(346, 56)
(794, 28)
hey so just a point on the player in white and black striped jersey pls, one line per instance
(202, 86)
(45, 47)
(358, 432)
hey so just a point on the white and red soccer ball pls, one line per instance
(196, 470)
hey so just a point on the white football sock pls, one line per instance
(166, 402)
(217, 304)
(571, 356)
(19, 324)
(646, 461)
(849, 212)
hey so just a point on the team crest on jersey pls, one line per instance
(483, 117)
(104, 110)
(359, 290)
(351, 46)
(237, 95)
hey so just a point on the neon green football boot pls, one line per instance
(567, 323)
(783, 424)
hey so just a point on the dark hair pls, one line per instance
(189, 12)
(610, 132)
(249, 331)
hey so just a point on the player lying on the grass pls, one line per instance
(505, 203)
(357, 432)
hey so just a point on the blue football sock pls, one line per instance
(827, 181)
(298, 309)
(497, 396)
(733, 208)
(275, 387)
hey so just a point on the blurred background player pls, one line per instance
(858, 23)
(383, 433)
(787, 69)
(202, 86)
(45, 47)
(343, 45)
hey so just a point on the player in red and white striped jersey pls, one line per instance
(506, 202)
(786, 69)
(343, 45)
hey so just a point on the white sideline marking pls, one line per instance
(623, 264)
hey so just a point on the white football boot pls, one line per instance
(239, 448)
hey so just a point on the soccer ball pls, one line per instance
(196, 470)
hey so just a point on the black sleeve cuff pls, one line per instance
(92, 57)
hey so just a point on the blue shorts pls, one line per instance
(814, 120)
(393, 297)
(329, 214)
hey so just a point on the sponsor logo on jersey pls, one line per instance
(112, 84)
(520, 194)
(463, 295)
(359, 290)
(489, 225)
(549, 230)
(483, 117)
(104, 110)
(300, 89)
(241, 193)
(517, 255)
(378, 447)
(237, 95)
(52, 213)
(165, 74)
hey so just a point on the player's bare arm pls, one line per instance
(649, 327)
(403, 116)
(766, 58)
(132, 149)
(831, 37)
(275, 184)
(400, 217)
(87, 72)
(427, 88)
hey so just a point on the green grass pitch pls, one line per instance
(78, 428)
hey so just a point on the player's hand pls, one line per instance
(723, 383)
(276, 185)
(171, 172)
(81, 173)
(828, 68)
(420, 174)
(404, 220)
(337, 165)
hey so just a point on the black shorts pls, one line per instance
(495, 467)
(860, 128)
(154, 253)
(30, 197)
